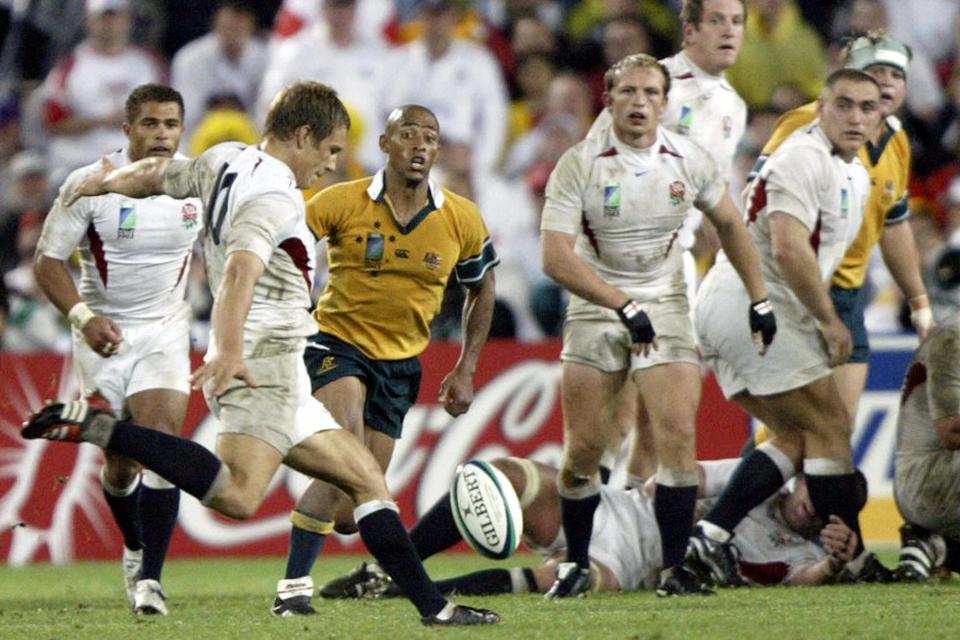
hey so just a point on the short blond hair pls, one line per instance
(635, 61)
(309, 104)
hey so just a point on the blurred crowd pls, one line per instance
(514, 83)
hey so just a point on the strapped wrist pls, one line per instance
(80, 315)
(919, 302)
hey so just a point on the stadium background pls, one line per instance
(51, 507)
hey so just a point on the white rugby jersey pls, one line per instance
(134, 253)
(626, 205)
(251, 203)
(804, 178)
(931, 390)
(706, 108)
(626, 539)
(703, 107)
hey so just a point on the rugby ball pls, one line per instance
(486, 509)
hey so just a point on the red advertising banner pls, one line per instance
(52, 508)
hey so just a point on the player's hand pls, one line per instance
(92, 184)
(838, 339)
(839, 541)
(763, 324)
(103, 335)
(642, 334)
(456, 392)
(220, 371)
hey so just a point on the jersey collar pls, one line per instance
(378, 193)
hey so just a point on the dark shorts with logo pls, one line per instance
(850, 305)
(392, 385)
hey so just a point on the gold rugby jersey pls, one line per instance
(386, 281)
(889, 166)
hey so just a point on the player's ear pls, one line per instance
(126, 128)
(383, 142)
(605, 97)
(302, 136)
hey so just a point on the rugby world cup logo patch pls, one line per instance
(677, 191)
(611, 200)
(127, 225)
(686, 120)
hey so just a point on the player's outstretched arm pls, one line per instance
(139, 179)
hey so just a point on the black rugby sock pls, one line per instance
(435, 531)
(126, 513)
(387, 540)
(158, 517)
(182, 462)
(577, 518)
(755, 479)
(673, 508)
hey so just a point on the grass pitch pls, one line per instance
(230, 598)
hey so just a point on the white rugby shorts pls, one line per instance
(151, 356)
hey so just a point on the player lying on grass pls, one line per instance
(777, 542)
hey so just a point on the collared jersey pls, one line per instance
(134, 253)
(889, 166)
(626, 207)
(804, 179)
(251, 203)
(386, 280)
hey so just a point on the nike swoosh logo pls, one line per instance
(641, 173)
(318, 347)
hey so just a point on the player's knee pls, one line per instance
(583, 451)
(234, 503)
(238, 510)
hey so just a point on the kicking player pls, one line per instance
(777, 541)
(926, 482)
(885, 223)
(131, 323)
(395, 239)
(260, 261)
(614, 205)
(804, 209)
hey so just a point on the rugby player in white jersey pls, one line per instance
(705, 107)
(926, 481)
(614, 206)
(260, 264)
(777, 541)
(131, 323)
(804, 209)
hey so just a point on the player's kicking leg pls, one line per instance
(235, 485)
